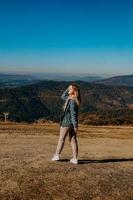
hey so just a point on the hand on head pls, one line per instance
(71, 91)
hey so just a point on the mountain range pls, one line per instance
(101, 103)
(126, 80)
(17, 80)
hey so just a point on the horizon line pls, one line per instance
(62, 74)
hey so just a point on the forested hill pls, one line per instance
(118, 80)
(101, 104)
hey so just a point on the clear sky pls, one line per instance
(75, 36)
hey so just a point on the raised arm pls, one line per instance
(65, 95)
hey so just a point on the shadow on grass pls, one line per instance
(105, 160)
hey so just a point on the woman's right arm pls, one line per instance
(65, 95)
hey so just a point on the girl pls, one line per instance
(69, 122)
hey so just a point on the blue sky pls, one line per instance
(81, 36)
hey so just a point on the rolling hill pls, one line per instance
(101, 104)
(117, 80)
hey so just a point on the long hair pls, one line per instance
(76, 93)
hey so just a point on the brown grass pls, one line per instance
(104, 172)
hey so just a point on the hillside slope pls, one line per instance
(99, 102)
(117, 80)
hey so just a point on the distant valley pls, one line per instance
(13, 81)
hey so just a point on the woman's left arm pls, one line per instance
(74, 114)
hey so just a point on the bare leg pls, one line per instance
(74, 144)
(62, 137)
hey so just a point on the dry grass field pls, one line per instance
(104, 172)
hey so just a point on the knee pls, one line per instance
(61, 139)
(73, 139)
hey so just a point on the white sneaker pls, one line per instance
(74, 161)
(55, 157)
